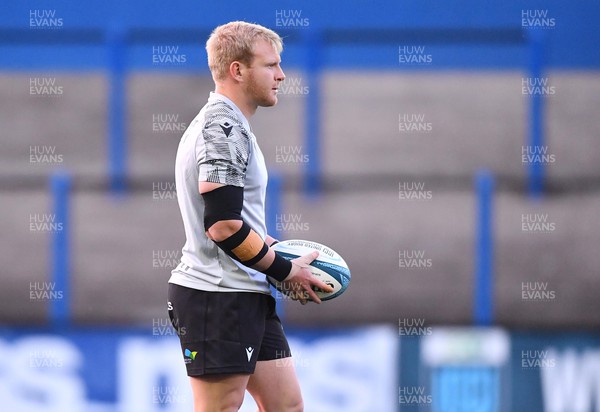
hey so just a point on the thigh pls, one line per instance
(275, 387)
(218, 393)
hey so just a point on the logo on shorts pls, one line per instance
(189, 355)
(249, 351)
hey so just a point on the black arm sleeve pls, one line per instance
(223, 203)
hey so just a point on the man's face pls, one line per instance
(264, 75)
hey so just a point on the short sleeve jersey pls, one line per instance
(218, 146)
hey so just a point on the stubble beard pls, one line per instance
(260, 96)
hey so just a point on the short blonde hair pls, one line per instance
(234, 41)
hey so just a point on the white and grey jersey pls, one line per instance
(218, 147)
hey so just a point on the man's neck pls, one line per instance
(245, 107)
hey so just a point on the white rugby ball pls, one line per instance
(329, 266)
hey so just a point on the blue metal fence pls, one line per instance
(60, 186)
(483, 310)
(117, 111)
(536, 112)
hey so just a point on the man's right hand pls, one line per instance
(300, 281)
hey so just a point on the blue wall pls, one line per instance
(572, 40)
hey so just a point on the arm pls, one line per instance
(224, 226)
(224, 229)
(270, 240)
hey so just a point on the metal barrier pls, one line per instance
(117, 113)
(60, 186)
(483, 312)
(536, 112)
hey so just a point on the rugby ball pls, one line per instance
(329, 266)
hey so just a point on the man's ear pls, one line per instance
(235, 70)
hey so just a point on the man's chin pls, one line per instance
(269, 103)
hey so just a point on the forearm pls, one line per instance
(223, 230)
(248, 248)
(270, 240)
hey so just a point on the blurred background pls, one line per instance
(448, 150)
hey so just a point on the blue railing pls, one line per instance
(536, 112)
(483, 307)
(117, 111)
(60, 309)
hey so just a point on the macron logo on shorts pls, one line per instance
(249, 351)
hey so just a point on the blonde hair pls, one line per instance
(234, 41)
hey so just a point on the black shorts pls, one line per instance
(225, 332)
